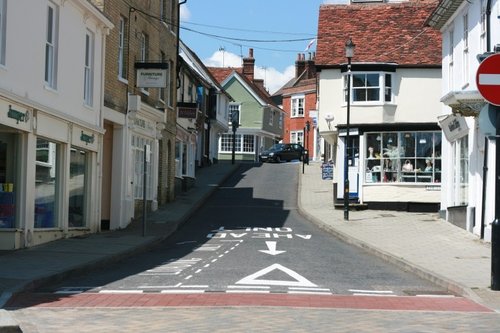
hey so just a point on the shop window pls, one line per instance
(461, 171)
(78, 180)
(46, 183)
(138, 145)
(8, 173)
(403, 157)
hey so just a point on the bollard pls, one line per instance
(495, 255)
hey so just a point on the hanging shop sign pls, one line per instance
(17, 115)
(454, 127)
(187, 110)
(151, 75)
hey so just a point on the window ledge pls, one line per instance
(49, 88)
(122, 80)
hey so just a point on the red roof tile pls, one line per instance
(382, 32)
(221, 73)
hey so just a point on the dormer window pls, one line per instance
(369, 88)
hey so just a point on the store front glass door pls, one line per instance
(8, 174)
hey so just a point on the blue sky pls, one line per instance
(223, 31)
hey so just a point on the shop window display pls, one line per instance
(403, 157)
(77, 185)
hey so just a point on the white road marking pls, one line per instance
(309, 289)
(309, 292)
(371, 291)
(249, 287)
(271, 249)
(132, 291)
(300, 281)
(194, 286)
(235, 291)
(182, 291)
(188, 277)
(198, 270)
(159, 287)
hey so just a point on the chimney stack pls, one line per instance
(300, 65)
(310, 66)
(249, 65)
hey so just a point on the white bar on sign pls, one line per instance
(489, 79)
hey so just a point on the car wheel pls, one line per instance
(277, 159)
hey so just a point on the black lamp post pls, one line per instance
(308, 128)
(349, 53)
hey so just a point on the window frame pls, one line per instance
(88, 85)
(297, 110)
(122, 59)
(51, 45)
(3, 31)
(244, 143)
(465, 51)
(387, 152)
(381, 88)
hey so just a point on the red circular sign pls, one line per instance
(488, 79)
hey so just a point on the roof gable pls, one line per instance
(383, 33)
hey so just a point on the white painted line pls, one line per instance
(220, 256)
(309, 292)
(160, 273)
(230, 240)
(232, 248)
(436, 296)
(134, 291)
(198, 270)
(371, 291)
(310, 289)
(226, 252)
(299, 281)
(159, 287)
(188, 277)
(249, 287)
(195, 286)
(206, 265)
(214, 260)
(374, 295)
(489, 79)
(182, 291)
(235, 291)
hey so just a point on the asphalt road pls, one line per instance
(249, 237)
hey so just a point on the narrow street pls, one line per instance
(246, 247)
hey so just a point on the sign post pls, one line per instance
(488, 84)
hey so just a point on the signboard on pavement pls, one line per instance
(327, 171)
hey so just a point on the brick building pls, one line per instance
(138, 118)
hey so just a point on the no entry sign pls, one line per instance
(488, 79)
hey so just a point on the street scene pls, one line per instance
(222, 166)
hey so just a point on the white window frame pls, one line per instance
(51, 45)
(88, 84)
(451, 59)
(465, 57)
(382, 88)
(297, 137)
(122, 61)
(296, 109)
(3, 30)
(482, 36)
(271, 117)
(244, 143)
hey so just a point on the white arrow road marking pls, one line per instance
(489, 79)
(300, 281)
(304, 236)
(271, 249)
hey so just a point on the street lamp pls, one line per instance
(349, 53)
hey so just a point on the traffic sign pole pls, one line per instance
(488, 84)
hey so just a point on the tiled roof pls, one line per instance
(221, 73)
(382, 32)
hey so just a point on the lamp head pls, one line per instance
(349, 48)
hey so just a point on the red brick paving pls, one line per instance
(90, 300)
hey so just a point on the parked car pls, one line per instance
(282, 152)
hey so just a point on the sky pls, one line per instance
(221, 32)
